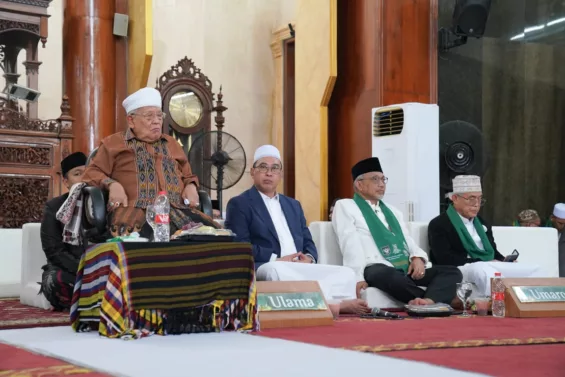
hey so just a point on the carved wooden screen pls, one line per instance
(31, 151)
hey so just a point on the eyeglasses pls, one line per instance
(150, 116)
(473, 200)
(275, 169)
(376, 179)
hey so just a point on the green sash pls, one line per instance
(391, 243)
(468, 243)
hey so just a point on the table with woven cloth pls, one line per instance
(134, 289)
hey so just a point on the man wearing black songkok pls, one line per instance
(59, 273)
(376, 244)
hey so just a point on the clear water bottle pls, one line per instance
(162, 209)
(497, 294)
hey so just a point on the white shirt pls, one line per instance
(356, 242)
(281, 226)
(473, 232)
(379, 212)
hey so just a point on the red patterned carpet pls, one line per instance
(17, 362)
(502, 347)
(14, 315)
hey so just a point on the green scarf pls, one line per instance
(468, 243)
(391, 243)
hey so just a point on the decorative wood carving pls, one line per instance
(23, 199)
(14, 120)
(35, 3)
(183, 70)
(31, 151)
(15, 25)
(185, 76)
(25, 155)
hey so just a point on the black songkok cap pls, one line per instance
(366, 166)
(72, 161)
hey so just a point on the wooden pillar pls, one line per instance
(387, 54)
(90, 69)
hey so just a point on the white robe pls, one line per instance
(481, 273)
(336, 282)
(356, 242)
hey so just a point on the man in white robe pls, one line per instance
(460, 237)
(282, 244)
(375, 243)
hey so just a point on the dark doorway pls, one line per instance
(288, 117)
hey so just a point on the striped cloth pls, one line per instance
(70, 214)
(131, 290)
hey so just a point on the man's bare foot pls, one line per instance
(421, 301)
(356, 306)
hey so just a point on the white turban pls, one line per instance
(266, 151)
(142, 98)
(559, 210)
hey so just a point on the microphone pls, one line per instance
(376, 312)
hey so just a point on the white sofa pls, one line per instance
(33, 258)
(536, 245)
(11, 260)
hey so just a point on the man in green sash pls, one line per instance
(460, 237)
(375, 243)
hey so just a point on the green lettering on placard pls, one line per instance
(540, 293)
(290, 301)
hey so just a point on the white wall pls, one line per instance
(230, 41)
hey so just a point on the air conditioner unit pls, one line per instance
(406, 141)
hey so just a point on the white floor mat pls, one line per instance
(229, 354)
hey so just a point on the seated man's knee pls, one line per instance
(378, 274)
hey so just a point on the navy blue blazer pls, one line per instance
(247, 216)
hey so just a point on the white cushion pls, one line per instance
(325, 239)
(11, 260)
(378, 299)
(539, 246)
(419, 233)
(33, 258)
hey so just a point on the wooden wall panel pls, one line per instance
(387, 54)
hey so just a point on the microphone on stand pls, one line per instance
(376, 312)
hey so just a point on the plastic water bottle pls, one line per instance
(162, 209)
(497, 294)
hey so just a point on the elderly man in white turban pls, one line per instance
(460, 237)
(137, 164)
(282, 244)
(558, 222)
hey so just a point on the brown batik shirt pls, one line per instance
(142, 168)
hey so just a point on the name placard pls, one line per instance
(267, 302)
(540, 293)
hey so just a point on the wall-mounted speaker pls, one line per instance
(121, 24)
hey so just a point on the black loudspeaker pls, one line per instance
(470, 17)
(461, 151)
